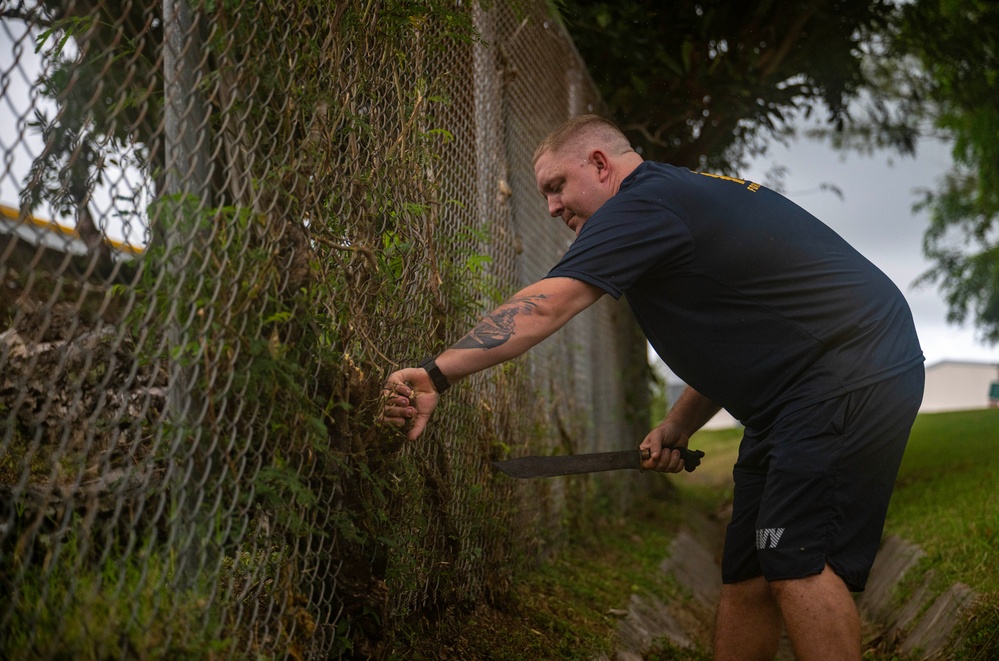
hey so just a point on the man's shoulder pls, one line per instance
(655, 171)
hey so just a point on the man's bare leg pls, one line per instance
(821, 617)
(748, 625)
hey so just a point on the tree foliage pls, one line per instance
(956, 44)
(701, 83)
(937, 75)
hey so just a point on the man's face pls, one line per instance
(572, 187)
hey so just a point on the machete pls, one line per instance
(524, 467)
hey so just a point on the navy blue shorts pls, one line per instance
(813, 489)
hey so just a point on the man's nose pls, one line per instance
(554, 207)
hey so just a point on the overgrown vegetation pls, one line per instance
(133, 605)
(74, 612)
(265, 309)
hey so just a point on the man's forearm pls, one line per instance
(691, 411)
(505, 333)
(516, 326)
(498, 328)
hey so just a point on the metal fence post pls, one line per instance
(187, 172)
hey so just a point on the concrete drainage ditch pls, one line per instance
(927, 622)
(923, 626)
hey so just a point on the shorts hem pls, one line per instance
(794, 575)
(852, 586)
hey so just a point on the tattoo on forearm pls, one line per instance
(499, 325)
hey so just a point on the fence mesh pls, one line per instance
(224, 223)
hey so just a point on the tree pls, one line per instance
(936, 74)
(956, 44)
(705, 84)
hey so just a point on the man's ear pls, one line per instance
(599, 159)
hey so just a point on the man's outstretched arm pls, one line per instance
(523, 321)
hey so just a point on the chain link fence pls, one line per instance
(224, 223)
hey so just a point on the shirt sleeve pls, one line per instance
(624, 240)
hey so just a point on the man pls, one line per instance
(762, 309)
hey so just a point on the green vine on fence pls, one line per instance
(275, 517)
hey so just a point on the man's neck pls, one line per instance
(624, 165)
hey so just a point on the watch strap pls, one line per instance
(437, 377)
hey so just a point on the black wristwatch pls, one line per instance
(436, 376)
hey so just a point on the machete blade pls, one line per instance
(572, 464)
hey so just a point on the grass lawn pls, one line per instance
(947, 498)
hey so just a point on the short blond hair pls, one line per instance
(585, 130)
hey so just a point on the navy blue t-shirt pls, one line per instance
(747, 297)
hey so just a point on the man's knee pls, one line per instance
(749, 623)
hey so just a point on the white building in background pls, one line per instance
(960, 386)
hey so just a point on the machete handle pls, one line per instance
(691, 458)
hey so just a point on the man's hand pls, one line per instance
(659, 441)
(408, 395)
